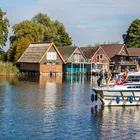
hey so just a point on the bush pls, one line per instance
(7, 68)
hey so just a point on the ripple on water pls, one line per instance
(52, 109)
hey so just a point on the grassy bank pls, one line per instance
(7, 68)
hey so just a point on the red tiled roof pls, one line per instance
(134, 51)
(112, 49)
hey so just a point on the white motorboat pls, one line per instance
(126, 94)
(132, 76)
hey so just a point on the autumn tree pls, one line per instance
(4, 24)
(132, 37)
(17, 49)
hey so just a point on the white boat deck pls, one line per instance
(128, 94)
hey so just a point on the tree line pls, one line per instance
(41, 28)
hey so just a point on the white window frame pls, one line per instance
(76, 58)
(51, 56)
(99, 57)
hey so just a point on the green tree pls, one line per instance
(17, 49)
(2, 53)
(54, 30)
(112, 42)
(29, 29)
(21, 46)
(4, 24)
(132, 37)
(90, 45)
(97, 45)
(48, 25)
(25, 33)
(62, 37)
(39, 28)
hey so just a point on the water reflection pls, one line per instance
(59, 108)
(53, 88)
(4, 80)
(119, 122)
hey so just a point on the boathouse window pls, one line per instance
(99, 66)
(98, 58)
(101, 56)
(51, 56)
(76, 57)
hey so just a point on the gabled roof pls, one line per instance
(89, 51)
(134, 51)
(112, 49)
(66, 52)
(36, 51)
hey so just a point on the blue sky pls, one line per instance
(87, 21)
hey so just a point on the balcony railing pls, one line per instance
(125, 63)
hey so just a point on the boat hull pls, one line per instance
(118, 97)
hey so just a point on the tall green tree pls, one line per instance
(4, 24)
(62, 38)
(40, 28)
(54, 30)
(25, 33)
(132, 37)
(48, 24)
(32, 30)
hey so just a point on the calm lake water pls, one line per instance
(59, 108)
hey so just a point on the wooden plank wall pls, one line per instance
(51, 68)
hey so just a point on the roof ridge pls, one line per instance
(46, 42)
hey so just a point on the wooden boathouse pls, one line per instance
(119, 57)
(41, 58)
(96, 58)
(76, 62)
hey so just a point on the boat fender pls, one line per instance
(131, 99)
(92, 97)
(96, 98)
(118, 99)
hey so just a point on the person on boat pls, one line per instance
(116, 79)
(138, 68)
(108, 76)
(101, 74)
(125, 76)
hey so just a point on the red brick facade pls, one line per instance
(97, 59)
